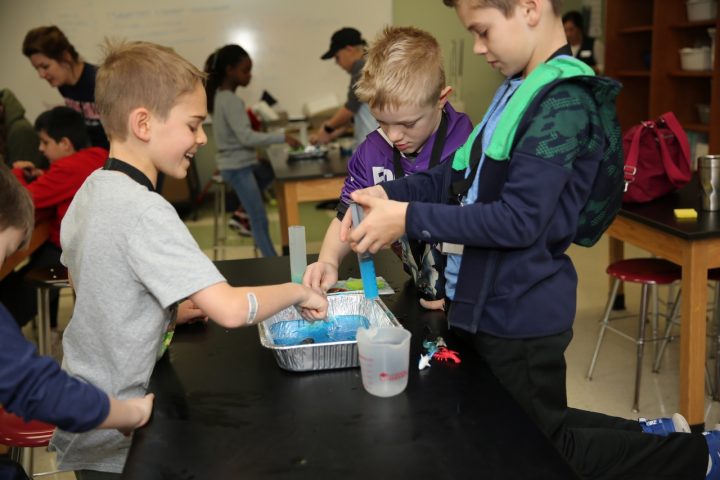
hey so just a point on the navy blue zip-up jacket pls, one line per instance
(34, 387)
(515, 279)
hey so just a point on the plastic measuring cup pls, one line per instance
(384, 358)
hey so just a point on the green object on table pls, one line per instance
(356, 284)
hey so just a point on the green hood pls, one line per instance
(502, 140)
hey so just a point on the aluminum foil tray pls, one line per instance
(331, 355)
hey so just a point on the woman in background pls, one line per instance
(584, 47)
(57, 61)
(228, 68)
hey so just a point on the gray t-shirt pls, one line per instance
(235, 139)
(131, 260)
(363, 121)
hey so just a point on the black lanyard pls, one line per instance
(461, 187)
(130, 171)
(436, 153)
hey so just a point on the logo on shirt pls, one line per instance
(382, 174)
(88, 110)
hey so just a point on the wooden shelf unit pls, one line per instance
(643, 39)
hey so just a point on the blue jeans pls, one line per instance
(247, 189)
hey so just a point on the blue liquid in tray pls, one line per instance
(340, 328)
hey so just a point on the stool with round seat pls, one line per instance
(647, 272)
(46, 279)
(22, 437)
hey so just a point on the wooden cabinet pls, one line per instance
(643, 39)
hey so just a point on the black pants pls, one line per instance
(597, 446)
(21, 299)
(10, 470)
(264, 175)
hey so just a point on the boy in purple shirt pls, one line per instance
(403, 82)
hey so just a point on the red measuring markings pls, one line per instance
(390, 377)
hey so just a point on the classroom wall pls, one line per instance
(478, 81)
(285, 38)
(569, 5)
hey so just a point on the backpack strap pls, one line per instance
(677, 177)
(630, 168)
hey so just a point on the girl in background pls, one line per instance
(229, 68)
(57, 61)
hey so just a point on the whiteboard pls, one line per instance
(285, 39)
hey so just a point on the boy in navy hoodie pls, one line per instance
(35, 387)
(506, 209)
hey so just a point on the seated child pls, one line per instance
(35, 387)
(403, 81)
(65, 143)
(130, 256)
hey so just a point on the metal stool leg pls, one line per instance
(219, 224)
(672, 297)
(216, 213)
(640, 345)
(43, 320)
(603, 326)
(223, 224)
(656, 314)
(666, 336)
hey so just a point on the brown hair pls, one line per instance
(51, 42)
(216, 67)
(404, 66)
(505, 6)
(16, 206)
(140, 74)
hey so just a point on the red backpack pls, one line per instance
(657, 159)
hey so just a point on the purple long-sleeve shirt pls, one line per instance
(372, 162)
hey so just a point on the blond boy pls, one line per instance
(403, 82)
(131, 257)
(511, 200)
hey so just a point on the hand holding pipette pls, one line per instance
(383, 223)
(367, 265)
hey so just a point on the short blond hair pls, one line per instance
(404, 66)
(140, 74)
(505, 6)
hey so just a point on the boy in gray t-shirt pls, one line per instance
(131, 259)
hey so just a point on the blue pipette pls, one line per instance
(367, 265)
